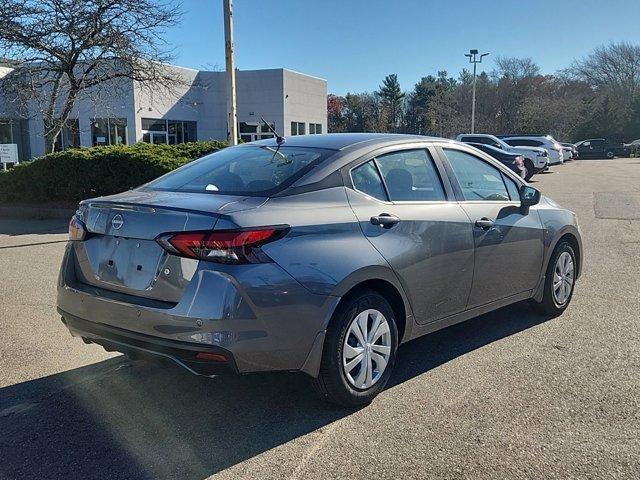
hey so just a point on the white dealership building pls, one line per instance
(294, 103)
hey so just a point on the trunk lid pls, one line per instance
(120, 253)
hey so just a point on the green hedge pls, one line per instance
(81, 173)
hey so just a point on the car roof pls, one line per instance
(343, 141)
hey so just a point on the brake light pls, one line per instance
(225, 246)
(77, 230)
(212, 357)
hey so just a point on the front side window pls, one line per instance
(367, 179)
(247, 170)
(478, 180)
(512, 188)
(410, 175)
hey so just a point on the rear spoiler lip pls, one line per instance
(142, 207)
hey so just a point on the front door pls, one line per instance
(426, 237)
(508, 240)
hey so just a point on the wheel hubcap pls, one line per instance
(563, 277)
(366, 349)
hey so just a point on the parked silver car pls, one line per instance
(319, 254)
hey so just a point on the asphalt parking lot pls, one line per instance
(507, 395)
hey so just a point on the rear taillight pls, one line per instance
(77, 230)
(225, 246)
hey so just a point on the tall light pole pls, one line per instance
(473, 59)
(229, 53)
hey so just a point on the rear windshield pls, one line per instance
(247, 170)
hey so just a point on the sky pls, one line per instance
(354, 44)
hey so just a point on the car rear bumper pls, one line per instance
(260, 318)
(138, 345)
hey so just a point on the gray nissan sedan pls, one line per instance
(318, 254)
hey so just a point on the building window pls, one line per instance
(252, 131)
(17, 132)
(168, 131)
(297, 128)
(315, 128)
(109, 131)
(69, 136)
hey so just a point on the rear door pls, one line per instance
(411, 217)
(508, 240)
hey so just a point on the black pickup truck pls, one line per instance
(600, 148)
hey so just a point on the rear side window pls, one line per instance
(478, 180)
(250, 170)
(410, 175)
(367, 180)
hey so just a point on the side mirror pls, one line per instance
(529, 196)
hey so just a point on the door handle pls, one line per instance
(385, 220)
(485, 223)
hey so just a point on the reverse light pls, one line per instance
(77, 230)
(224, 246)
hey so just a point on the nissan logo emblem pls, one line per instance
(117, 221)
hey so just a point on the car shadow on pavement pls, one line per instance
(117, 419)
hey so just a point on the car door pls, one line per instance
(411, 217)
(597, 148)
(508, 239)
(584, 149)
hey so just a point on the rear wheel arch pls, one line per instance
(390, 292)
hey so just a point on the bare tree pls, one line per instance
(62, 49)
(615, 67)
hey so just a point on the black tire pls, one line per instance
(549, 305)
(610, 154)
(530, 169)
(332, 383)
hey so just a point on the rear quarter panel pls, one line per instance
(325, 250)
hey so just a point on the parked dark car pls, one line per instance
(513, 161)
(318, 253)
(600, 148)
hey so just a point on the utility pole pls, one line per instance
(472, 59)
(229, 51)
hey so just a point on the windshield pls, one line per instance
(245, 170)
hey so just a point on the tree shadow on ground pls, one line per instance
(117, 419)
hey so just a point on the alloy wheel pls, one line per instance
(366, 349)
(563, 278)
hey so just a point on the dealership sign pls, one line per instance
(8, 153)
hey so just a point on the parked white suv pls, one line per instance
(535, 159)
(547, 142)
